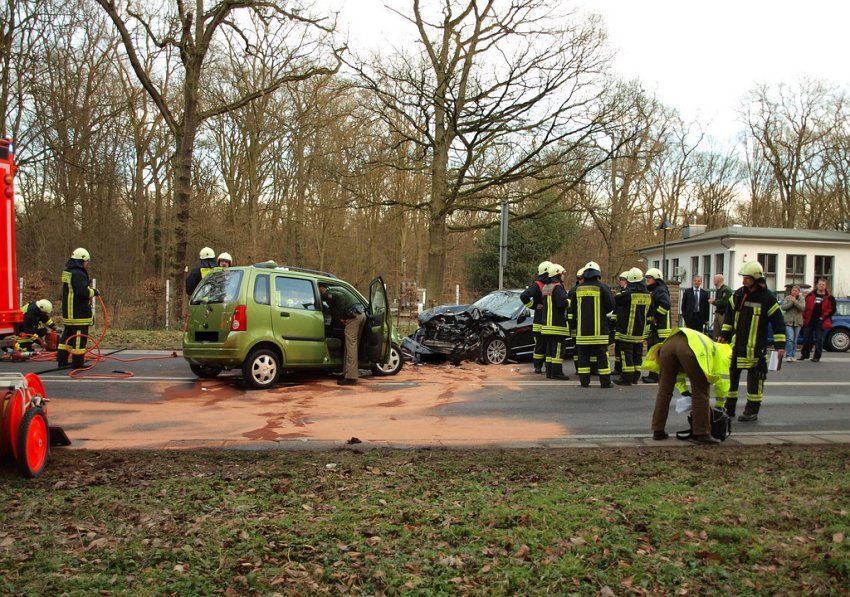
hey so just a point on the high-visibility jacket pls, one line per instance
(76, 294)
(630, 312)
(555, 303)
(532, 297)
(198, 273)
(589, 305)
(713, 357)
(659, 309)
(745, 325)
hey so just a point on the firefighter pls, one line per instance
(750, 310)
(532, 297)
(35, 324)
(199, 272)
(622, 284)
(224, 260)
(76, 309)
(553, 326)
(632, 306)
(589, 304)
(658, 316)
(623, 281)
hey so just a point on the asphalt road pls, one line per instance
(165, 405)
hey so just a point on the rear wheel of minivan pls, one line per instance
(261, 368)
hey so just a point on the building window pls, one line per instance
(795, 269)
(719, 265)
(677, 273)
(694, 266)
(706, 267)
(768, 262)
(823, 269)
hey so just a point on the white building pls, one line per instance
(788, 256)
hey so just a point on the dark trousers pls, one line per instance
(812, 334)
(755, 382)
(630, 357)
(539, 350)
(584, 353)
(676, 356)
(77, 347)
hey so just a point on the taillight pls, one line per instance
(240, 319)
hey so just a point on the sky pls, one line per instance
(698, 56)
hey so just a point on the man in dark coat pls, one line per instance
(695, 305)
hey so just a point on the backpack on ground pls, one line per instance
(721, 426)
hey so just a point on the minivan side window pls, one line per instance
(262, 291)
(218, 287)
(294, 293)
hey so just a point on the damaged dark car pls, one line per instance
(494, 330)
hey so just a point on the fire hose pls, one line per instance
(93, 353)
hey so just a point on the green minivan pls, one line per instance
(265, 319)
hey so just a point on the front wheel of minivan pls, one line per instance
(392, 366)
(261, 368)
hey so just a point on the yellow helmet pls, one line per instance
(753, 269)
(543, 267)
(654, 272)
(207, 253)
(634, 275)
(45, 305)
(81, 254)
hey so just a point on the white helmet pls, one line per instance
(580, 272)
(593, 265)
(543, 267)
(226, 257)
(654, 272)
(555, 270)
(634, 275)
(624, 275)
(753, 269)
(207, 253)
(45, 305)
(81, 254)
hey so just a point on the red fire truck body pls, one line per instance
(10, 311)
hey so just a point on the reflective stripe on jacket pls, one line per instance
(76, 294)
(745, 325)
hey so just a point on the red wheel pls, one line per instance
(33, 443)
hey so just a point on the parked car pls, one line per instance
(265, 319)
(493, 330)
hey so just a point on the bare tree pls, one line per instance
(193, 31)
(715, 178)
(498, 93)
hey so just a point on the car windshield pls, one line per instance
(504, 304)
(218, 287)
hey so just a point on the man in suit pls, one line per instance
(695, 305)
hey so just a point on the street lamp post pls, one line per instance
(665, 226)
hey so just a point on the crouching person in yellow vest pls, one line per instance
(688, 356)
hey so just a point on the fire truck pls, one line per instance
(24, 432)
(10, 311)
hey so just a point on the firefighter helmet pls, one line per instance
(593, 265)
(655, 273)
(225, 257)
(634, 275)
(45, 306)
(624, 275)
(543, 267)
(555, 270)
(580, 272)
(752, 269)
(207, 253)
(590, 273)
(81, 254)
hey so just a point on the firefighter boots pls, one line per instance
(731, 403)
(751, 412)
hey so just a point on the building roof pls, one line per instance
(753, 233)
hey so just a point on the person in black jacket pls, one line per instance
(553, 326)
(35, 324)
(751, 308)
(659, 314)
(695, 306)
(532, 297)
(589, 305)
(76, 309)
(632, 306)
(200, 271)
